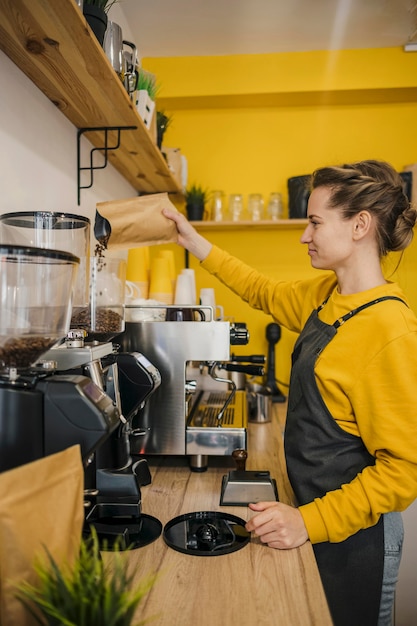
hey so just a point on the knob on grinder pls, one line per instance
(273, 335)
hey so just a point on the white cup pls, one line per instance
(208, 298)
(133, 291)
(184, 290)
(191, 277)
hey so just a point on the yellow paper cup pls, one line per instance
(160, 281)
(138, 265)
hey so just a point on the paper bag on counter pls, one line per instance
(41, 505)
(136, 222)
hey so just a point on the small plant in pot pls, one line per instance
(162, 122)
(95, 12)
(196, 197)
(87, 593)
(146, 90)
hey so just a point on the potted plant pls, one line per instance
(95, 12)
(88, 593)
(195, 201)
(146, 90)
(162, 122)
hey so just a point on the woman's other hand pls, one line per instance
(188, 237)
(278, 525)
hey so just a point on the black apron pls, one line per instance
(320, 458)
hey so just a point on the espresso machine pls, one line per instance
(112, 479)
(41, 413)
(197, 411)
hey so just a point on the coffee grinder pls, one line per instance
(113, 478)
(40, 413)
(112, 481)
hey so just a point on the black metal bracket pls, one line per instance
(106, 148)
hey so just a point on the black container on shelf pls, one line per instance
(195, 211)
(97, 20)
(298, 195)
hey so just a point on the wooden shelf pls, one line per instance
(51, 42)
(290, 99)
(291, 224)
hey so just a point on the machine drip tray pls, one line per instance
(114, 521)
(208, 406)
(206, 435)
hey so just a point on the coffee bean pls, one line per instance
(21, 352)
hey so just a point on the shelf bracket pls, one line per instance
(105, 148)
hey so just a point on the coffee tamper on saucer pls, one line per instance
(240, 487)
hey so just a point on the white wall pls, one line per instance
(38, 150)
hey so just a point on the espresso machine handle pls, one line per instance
(254, 358)
(251, 370)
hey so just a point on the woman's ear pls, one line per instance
(362, 224)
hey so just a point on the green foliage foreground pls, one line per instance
(89, 593)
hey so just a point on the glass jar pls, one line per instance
(53, 231)
(274, 209)
(103, 318)
(235, 206)
(256, 207)
(217, 206)
(35, 302)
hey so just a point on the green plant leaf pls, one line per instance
(89, 593)
(101, 4)
(196, 194)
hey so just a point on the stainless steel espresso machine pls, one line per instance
(112, 479)
(197, 410)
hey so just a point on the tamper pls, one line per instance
(240, 487)
(239, 456)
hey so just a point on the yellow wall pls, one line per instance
(248, 123)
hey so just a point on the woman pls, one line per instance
(351, 429)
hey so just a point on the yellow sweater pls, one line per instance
(367, 376)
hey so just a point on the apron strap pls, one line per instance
(347, 317)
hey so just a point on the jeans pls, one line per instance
(393, 543)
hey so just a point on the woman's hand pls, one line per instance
(278, 525)
(188, 237)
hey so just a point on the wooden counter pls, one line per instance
(255, 586)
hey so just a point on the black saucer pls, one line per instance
(129, 532)
(206, 533)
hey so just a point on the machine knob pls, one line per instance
(190, 386)
(75, 338)
(239, 334)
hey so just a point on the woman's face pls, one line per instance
(328, 236)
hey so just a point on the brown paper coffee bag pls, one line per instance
(136, 222)
(41, 504)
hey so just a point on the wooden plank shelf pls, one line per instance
(51, 42)
(283, 224)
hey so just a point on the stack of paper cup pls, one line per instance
(137, 271)
(160, 285)
(191, 277)
(208, 298)
(183, 290)
(168, 254)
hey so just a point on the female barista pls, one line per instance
(351, 429)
